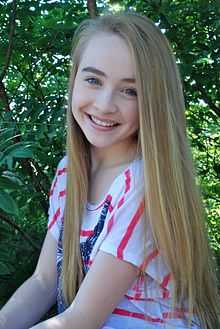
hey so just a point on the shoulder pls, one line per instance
(136, 172)
(59, 180)
(57, 196)
(62, 166)
(133, 175)
(132, 182)
(58, 188)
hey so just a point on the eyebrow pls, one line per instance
(98, 72)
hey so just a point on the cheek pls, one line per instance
(133, 117)
(80, 97)
(77, 99)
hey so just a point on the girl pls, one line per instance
(126, 246)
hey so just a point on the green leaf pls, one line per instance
(8, 204)
(8, 183)
(6, 133)
(6, 142)
(5, 269)
(19, 150)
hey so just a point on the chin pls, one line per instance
(100, 145)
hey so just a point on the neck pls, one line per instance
(117, 156)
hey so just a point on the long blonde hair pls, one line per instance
(173, 201)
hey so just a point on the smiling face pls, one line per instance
(104, 99)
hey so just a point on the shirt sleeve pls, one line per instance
(57, 199)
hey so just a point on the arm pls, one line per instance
(102, 289)
(35, 297)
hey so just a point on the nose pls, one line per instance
(105, 101)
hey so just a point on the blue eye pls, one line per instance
(130, 92)
(93, 81)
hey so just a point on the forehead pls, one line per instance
(110, 54)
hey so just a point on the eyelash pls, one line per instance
(95, 81)
(91, 80)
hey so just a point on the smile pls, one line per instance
(102, 123)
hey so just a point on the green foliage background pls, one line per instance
(35, 47)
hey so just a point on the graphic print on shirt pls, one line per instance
(85, 248)
(61, 305)
(140, 307)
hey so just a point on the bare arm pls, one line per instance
(35, 297)
(102, 289)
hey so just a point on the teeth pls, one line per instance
(102, 123)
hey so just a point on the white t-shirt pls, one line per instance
(120, 232)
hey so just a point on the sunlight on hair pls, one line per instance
(116, 7)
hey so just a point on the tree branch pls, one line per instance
(207, 99)
(16, 227)
(33, 83)
(10, 44)
(4, 97)
(92, 8)
(29, 165)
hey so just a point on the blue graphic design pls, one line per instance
(85, 248)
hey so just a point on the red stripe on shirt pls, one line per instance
(86, 232)
(61, 171)
(94, 209)
(62, 193)
(52, 188)
(121, 201)
(110, 224)
(165, 281)
(90, 262)
(137, 286)
(178, 313)
(110, 208)
(136, 315)
(130, 230)
(139, 282)
(149, 258)
(109, 198)
(54, 219)
(166, 294)
(127, 180)
(127, 187)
